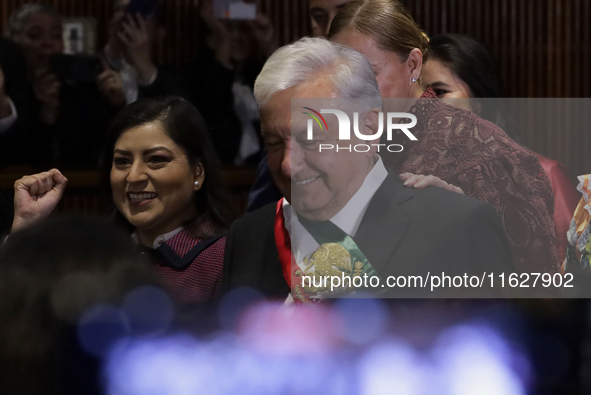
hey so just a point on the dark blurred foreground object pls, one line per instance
(6, 212)
(49, 275)
(16, 87)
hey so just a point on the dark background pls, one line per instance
(543, 48)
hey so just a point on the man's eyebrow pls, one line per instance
(300, 131)
(266, 136)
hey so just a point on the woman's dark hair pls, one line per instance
(469, 59)
(185, 126)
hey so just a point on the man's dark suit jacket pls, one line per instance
(404, 231)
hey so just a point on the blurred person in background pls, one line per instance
(264, 191)
(6, 213)
(163, 177)
(7, 110)
(10, 64)
(485, 163)
(231, 53)
(322, 12)
(51, 274)
(69, 118)
(460, 67)
(13, 83)
(131, 51)
(13, 103)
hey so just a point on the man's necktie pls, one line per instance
(337, 255)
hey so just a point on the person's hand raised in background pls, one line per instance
(5, 109)
(110, 85)
(36, 196)
(219, 40)
(262, 30)
(137, 46)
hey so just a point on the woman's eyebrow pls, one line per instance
(439, 83)
(154, 149)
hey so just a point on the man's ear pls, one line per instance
(198, 176)
(414, 64)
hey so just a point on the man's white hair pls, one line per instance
(301, 62)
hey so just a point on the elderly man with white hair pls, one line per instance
(343, 216)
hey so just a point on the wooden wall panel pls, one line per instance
(290, 20)
(543, 49)
(543, 46)
(99, 9)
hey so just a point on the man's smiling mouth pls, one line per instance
(305, 181)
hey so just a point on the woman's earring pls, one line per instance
(413, 80)
(196, 183)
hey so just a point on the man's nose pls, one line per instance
(286, 162)
(293, 159)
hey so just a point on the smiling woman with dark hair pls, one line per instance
(161, 169)
(180, 133)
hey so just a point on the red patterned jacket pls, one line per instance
(191, 280)
(477, 156)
